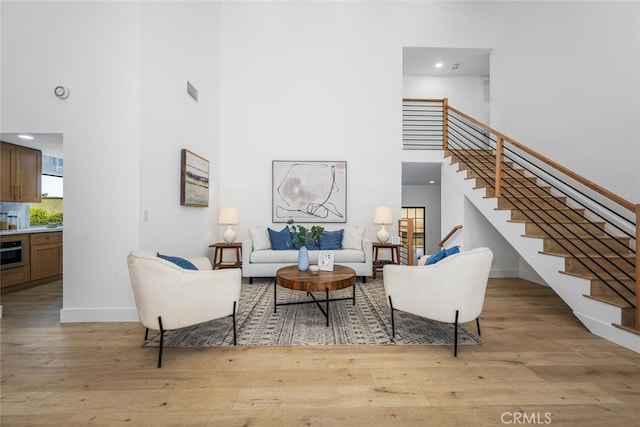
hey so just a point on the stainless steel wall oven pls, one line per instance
(12, 253)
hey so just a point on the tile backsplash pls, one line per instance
(21, 209)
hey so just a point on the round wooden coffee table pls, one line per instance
(323, 281)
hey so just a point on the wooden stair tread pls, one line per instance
(626, 328)
(573, 236)
(591, 276)
(582, 256)
(607, 239)
(541, 209)
(563, 221)
(619, 304)
(595, 258)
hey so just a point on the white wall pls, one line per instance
(178, 42)
(122, 125)
(324, 81)
(478, 231)
(565, 80)
(464, 93)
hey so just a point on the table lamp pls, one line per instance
(228, 216)
(383, 215)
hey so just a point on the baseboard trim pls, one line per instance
(503, 273)
(82, 315)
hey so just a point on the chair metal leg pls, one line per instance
(161, 342)
(455, 337)
(478, 325)
(393, 322)
(146, 334)
(234, 324)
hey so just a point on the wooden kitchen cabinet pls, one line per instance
(21, 169)
(46, 255)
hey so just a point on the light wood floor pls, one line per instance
(538, 365)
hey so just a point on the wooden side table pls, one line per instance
(395, 255)
(218, 252)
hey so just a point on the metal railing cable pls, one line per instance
(422, 124)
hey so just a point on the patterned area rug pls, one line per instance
(368, 322)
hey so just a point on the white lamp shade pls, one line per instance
(383, 215)
(228, 215)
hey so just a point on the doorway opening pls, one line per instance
(417, 215)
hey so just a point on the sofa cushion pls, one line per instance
(352, 238)
(272, 256)
(442, 254)
(280, 240)
(341, 256)
(260, 238)
(291, 256)
(180, 262)
(331, 240)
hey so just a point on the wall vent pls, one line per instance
(192, 91)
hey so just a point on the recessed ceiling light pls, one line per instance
(25, 136)
(432, 182)
(439, 65)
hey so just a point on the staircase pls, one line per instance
(588, 251)
(582, 246)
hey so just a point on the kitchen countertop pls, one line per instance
(29, 230)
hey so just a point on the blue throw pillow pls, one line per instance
(180, 262)
(442, 254)
(311, 245)
(453, 250)
(331, 240)
(280, 240)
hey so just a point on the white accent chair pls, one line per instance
(451, 290)
(169, 297)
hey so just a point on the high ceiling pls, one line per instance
(421, 61)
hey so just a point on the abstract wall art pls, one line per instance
(309, 191)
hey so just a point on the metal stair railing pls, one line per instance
(497, 160)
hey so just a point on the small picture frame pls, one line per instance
(395, 240)
(325, 260)
(194, 180)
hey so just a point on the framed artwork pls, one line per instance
(325, 260)
(309, 191)
(194, 180)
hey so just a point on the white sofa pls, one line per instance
(260, 261)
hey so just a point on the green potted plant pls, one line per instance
(300, 235)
